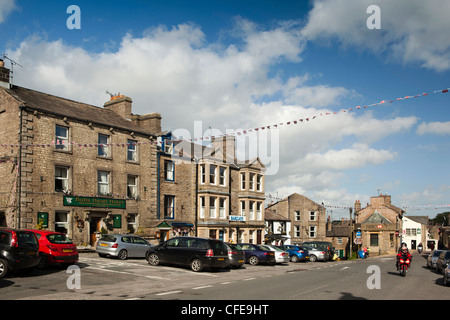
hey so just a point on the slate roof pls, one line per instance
(48, 103)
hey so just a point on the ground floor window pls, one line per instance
(374, 239)
(61, 221)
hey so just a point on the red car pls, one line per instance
(55, 247)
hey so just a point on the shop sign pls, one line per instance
(236, 218)
(94, 202)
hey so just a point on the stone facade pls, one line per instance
(308, 218)
(380, 224)
(75, 168)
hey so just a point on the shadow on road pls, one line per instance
(349, 296)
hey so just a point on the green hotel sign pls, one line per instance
(94, 202)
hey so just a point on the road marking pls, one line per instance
(248, 279)
(127, 273)
(345, 268)
(202, 287)
(166, 293)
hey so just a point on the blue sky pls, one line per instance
(246, 64)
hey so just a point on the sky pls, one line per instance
(210, 67)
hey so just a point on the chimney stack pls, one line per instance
(357, 206)
(121, 105)
(149, 121)
(4, 75)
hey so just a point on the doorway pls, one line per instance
(413, 244)
(94, 229)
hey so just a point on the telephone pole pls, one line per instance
(351, 232)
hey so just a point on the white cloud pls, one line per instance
(411, 31)
(178, 73)
(358, 156)
(6, 7)
(439, 128)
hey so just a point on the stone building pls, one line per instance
(86, 170)
(308, 218)
(76, 168)
(380, 224)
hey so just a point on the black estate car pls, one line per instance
(19, 249)
(196, 253)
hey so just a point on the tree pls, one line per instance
(441, 219)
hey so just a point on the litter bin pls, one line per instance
(361, 254)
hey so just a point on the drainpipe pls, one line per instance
(19, 211)
(158, 186)
(196, 199)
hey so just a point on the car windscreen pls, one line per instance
(108, 238)
(25, 237)
(58, 239)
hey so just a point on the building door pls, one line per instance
(413, 244)
(94, 227)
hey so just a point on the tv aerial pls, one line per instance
(13, 63)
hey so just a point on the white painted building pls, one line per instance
(415, 231)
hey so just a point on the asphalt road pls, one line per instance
(111, 279)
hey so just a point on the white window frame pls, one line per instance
(103, 184)
(61, 142)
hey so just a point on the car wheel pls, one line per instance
(253, 260)
(123, 254)
(153, 259)
(3, 268)
(43, 263)
(312, 258)
(294, 258)
(196, 265)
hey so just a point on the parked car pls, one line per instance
(443, 261)
(19, 250)
(281, 256)
(316, 254)
(296, 253)
(432, 258)
(55, 247)
(122, 246)
(236, 256)
(196, 253)
(256, 254)
(447, 276)
(321, 245)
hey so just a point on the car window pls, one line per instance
(138, 240)
(5, 238)
(58, 239)
(264, 248)
(172, 242)
(235, 246)
(247, 247)
(200, 243)
(108, 238)
(127, 240)
(218, 245)
(447, 255)
(26, 238)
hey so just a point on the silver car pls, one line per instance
(432, 259)
(315, 254)
(281, 256)
(122, 246)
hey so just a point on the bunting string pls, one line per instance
(236, 133)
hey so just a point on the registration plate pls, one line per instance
(103, 245)
(67, 250)
(221, 259)
(240, 261)
(31, 253)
